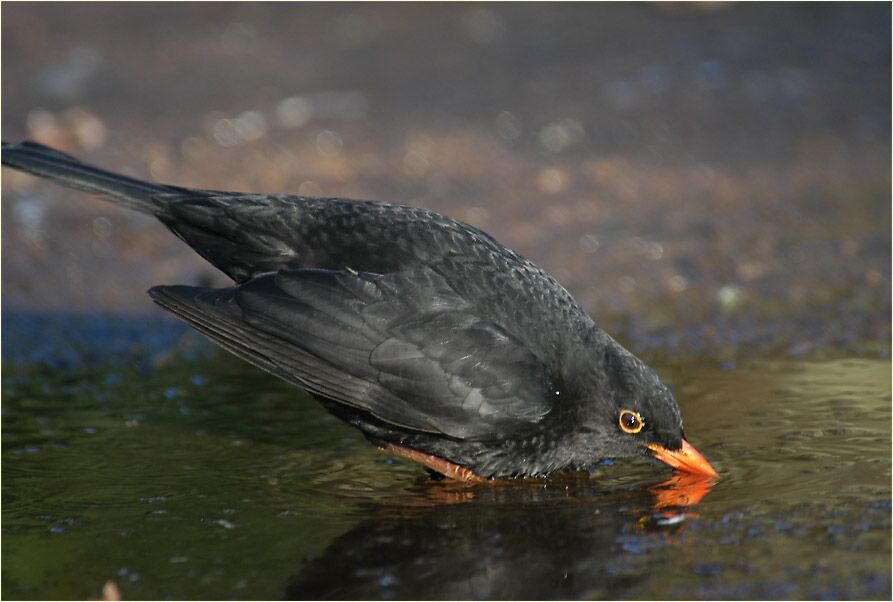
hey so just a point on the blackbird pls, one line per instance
(429, 336)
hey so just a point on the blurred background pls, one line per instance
(702, 177)
(711, 181)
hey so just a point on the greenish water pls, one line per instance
(193, 475)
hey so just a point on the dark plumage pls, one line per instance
(421, 331)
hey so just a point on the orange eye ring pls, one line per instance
(631, 422)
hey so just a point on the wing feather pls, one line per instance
(403, 346)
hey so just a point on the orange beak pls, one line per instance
(686, 459)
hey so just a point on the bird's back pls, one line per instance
(245, 235)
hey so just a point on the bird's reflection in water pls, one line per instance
(681, 490)
(567, 537)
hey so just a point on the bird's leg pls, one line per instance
(444, 467)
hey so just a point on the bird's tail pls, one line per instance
(64, 169)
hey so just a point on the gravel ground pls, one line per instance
(711, 179)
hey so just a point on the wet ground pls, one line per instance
(712, 184)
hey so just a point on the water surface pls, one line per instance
(184, 473)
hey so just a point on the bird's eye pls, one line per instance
(631, 422)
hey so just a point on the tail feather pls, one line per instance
(68, 171)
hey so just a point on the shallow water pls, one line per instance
(180, 472)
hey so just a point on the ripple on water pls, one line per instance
(791, 431)
(256, 473)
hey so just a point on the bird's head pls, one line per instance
(636, 414)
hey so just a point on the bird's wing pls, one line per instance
(403, 346)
